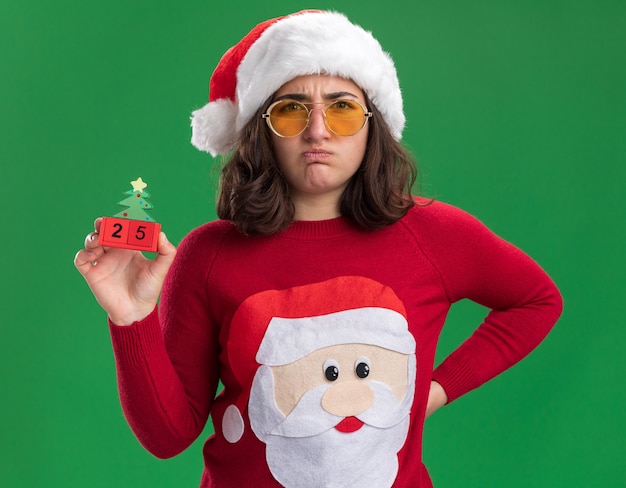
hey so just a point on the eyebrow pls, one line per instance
(300, 97)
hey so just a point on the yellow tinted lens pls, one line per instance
(289, 118)
(345, 117)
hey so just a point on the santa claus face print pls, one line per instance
(338, 415)
(326, 375)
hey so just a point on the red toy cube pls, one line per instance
(129, 234)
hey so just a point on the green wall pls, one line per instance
(516, 112)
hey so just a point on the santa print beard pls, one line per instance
(305, 450)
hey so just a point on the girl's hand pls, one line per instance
(125, 283)
(437, 398)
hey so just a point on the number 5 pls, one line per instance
(140, 233)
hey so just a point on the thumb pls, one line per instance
(165, 257)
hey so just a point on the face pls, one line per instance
(345, 430)
(317, 163)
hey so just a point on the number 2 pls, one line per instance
(118, 229)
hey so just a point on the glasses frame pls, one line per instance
(367, 114)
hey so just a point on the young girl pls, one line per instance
(318, 297)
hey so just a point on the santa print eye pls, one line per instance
(331, 369)
(362, 367)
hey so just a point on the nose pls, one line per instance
(348, 398)
(317, 130)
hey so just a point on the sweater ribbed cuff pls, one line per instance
(131, 343)
(455, 377)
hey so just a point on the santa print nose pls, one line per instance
(349, 425)
(348, 398)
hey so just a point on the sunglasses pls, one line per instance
(288, 118)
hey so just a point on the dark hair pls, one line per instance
(254, 194)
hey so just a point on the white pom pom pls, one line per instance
(213, 127)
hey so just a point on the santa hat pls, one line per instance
(278, 327)
(280, 49)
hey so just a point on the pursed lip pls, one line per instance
(316, 154)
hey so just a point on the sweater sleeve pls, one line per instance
(476, 264)
(167, 364)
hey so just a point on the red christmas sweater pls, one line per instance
(324, 338)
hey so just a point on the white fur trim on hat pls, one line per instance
(306, 43)
(287, 340)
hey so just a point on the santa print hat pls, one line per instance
(277, 51)
(327, 313)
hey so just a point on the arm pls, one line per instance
(167, 364)
(476, 264)
(165, 399)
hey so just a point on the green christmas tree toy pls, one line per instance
(132, 228)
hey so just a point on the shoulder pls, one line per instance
(198, 249)
(456, 242)
(209, 234)
(430, 218)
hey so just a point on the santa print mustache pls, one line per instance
(308, 418)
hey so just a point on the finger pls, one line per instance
(86, 259)
(91, 241)
(97, 223)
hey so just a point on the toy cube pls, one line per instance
(129, 234)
